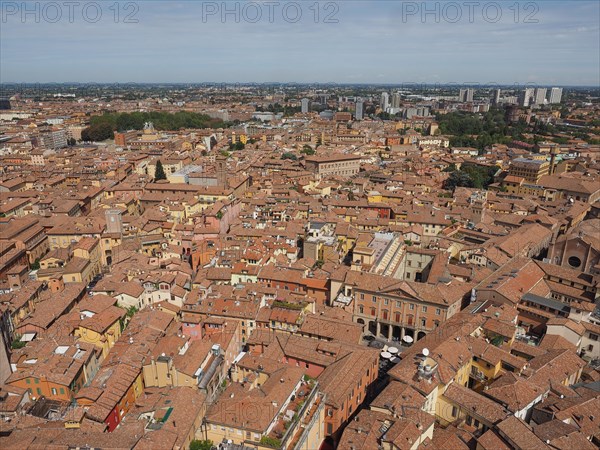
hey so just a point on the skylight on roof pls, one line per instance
(61, 349)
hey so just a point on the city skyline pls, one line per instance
(387, 43)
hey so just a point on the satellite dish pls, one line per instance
(426, 352)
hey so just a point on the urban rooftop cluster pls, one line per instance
(300, 268)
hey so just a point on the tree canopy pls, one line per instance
(97, 132)
(159, 172)
(289, 155)
(201, 445)
(471, 175)
(479, 131)
(307, 150)
(102, 127)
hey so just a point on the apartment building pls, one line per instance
(28, 234)
(529, 169)
(276, 408)
(340, 165)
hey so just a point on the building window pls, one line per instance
(454, 411)
(373, 312)
(574, 261)
(386, 301)
(374, 299)
(438, 311)
(39, 391)
(424, 309)
(361, 309)
(329, 428)
(423, 322)
(411, 306)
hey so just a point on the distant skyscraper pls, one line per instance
(385, 101)
(305, 105)
(496, 97)
(555, 95)
(526, 97)
(358, 114)
(396, 100)
(466, 95)
(540, 96)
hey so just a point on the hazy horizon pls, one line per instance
(325, 84)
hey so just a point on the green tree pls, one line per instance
(288, 155)
(307, 150)
(159, 172)
(450, 168)
(201, 445)
(161, 120)
(458, 179)
(17, 343)
(97, 132)
(131, 311)
(471, 175)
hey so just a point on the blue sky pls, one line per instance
(549, 43)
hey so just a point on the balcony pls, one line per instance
(299, 414)
(477, 375)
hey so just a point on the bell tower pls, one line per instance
(221, 162)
